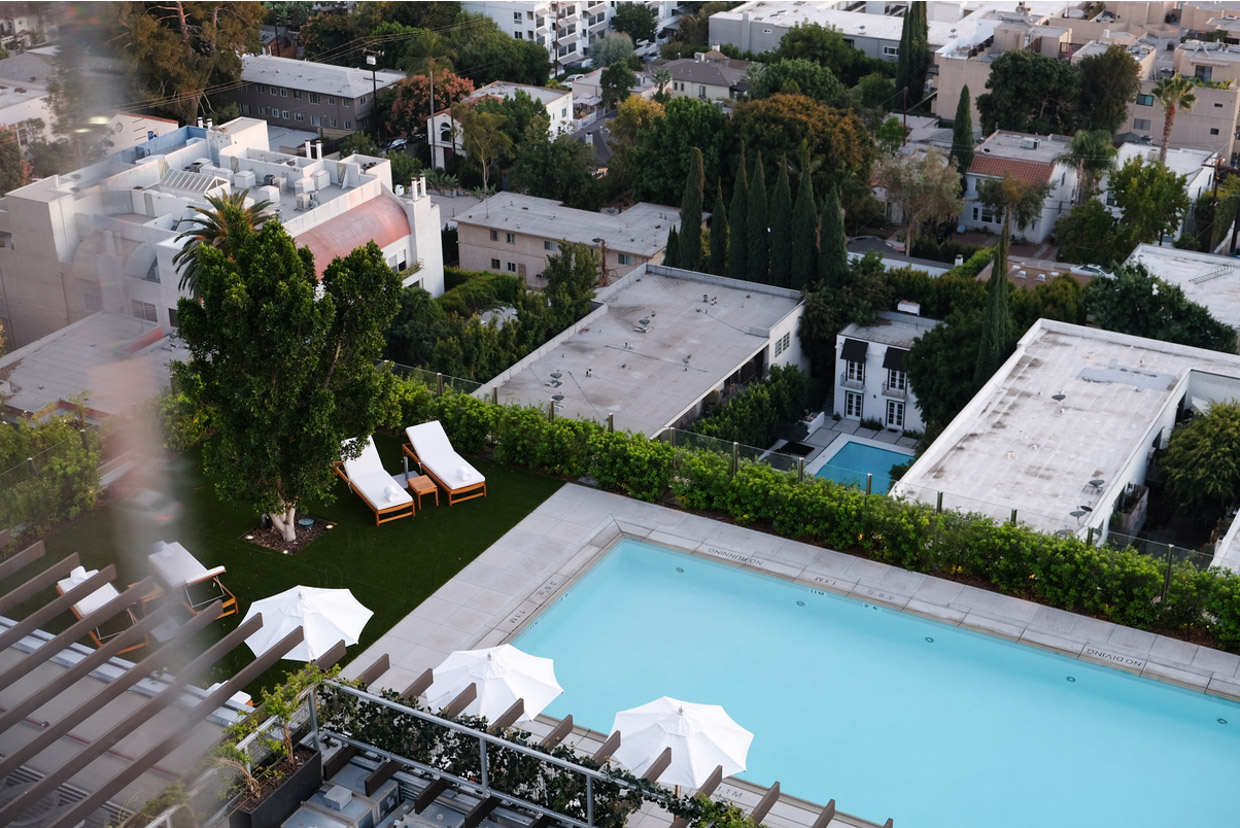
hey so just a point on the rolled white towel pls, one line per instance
(391, 492)
(465, 474)
(77, 574)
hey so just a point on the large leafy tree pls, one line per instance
(178, 50)
(1174, 94)
(1093, 155)
(637, 20)
(829, 308)
(220, 225)
(287, 375)
(634, 114)
(1030, 92)
(1019, 200)
(822, 45)
(408, 103)
(1202, 462)
(926, 187)
(778, 125)
(997, 339)
(14, 171)
(659, 163)
(690, 256)
(1109, 83)
(563, 169)
(1087, 233)
(484, 53)
(799, 76)
(913, 62)
(325, 37)
(611, 49)
(615, 83)
(942, 379)
(525, 119)
(485, 140)
(1151, 199)
(1135, 302)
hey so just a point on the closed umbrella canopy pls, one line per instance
(503, 674)
(701, 736)
(328, 616)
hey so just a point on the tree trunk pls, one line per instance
(286, 522)
(1168, 121)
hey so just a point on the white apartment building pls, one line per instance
(104, 237)
(567, 27)
(872, 383)
(446, 135)
(1031, 158)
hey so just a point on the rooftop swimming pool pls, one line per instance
(854, 459)
(890, 714)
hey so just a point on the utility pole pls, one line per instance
(372, 59)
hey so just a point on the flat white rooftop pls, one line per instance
(1206, 278)
(642, 229)
(891, 328)
(648, 380)
(791, 13)
(107, 355)
(1016, 446)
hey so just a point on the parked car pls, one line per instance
(397, 145)
(1091, 270)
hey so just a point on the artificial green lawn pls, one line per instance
(389, 568)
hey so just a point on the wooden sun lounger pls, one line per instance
(445, 465)
(371, 486)
(111, 627)
(200, 587)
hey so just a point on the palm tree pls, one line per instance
(214, 227)
(1093, 155)
(662, 77)
(1175, 92)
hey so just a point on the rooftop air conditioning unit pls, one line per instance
(268, 179)
(1029, 143)
(303, 201)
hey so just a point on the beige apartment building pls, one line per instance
(1210, 124)
(515, 233)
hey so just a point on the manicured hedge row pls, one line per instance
(1121, 585)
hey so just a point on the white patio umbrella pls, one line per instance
(701, 736)
(503, 674)
(327, 615)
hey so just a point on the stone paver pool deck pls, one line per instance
(493, 598)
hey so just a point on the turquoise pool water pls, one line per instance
(890, 714)
(850, 465)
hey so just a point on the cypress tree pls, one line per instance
(690, 249)
(781, 229)
(738, 226)
(962, 135)
(671, 255)
(758, 251)
(719, 235)
(997, 326)
(913, 63)
(803, 251)
(832, 245)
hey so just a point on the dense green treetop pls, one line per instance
(1135, 302)
(637, 20)
(1030, 92)
(799, 76)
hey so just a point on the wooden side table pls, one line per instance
(423, 485)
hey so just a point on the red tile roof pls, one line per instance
(381, 219)
(1036, 171)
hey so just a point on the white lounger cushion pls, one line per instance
(173, 564)
(434, 451)
(93, 601)
(368, 478)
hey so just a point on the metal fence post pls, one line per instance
(82, 432)
(1090, 537)
(1167, 577)
(30, 461)
(869, 482)
(551, 411)
(439, 384)
(1013, 518)
(800, 469)
(495, 395)
(938, 503)
(735, 458)
(611, 423)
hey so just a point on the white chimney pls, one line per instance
(318, 149)
(307, 147)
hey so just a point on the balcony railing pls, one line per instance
(897, 391)
(851, 382)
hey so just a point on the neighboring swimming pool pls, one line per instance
(853, 458)
(890, 714)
